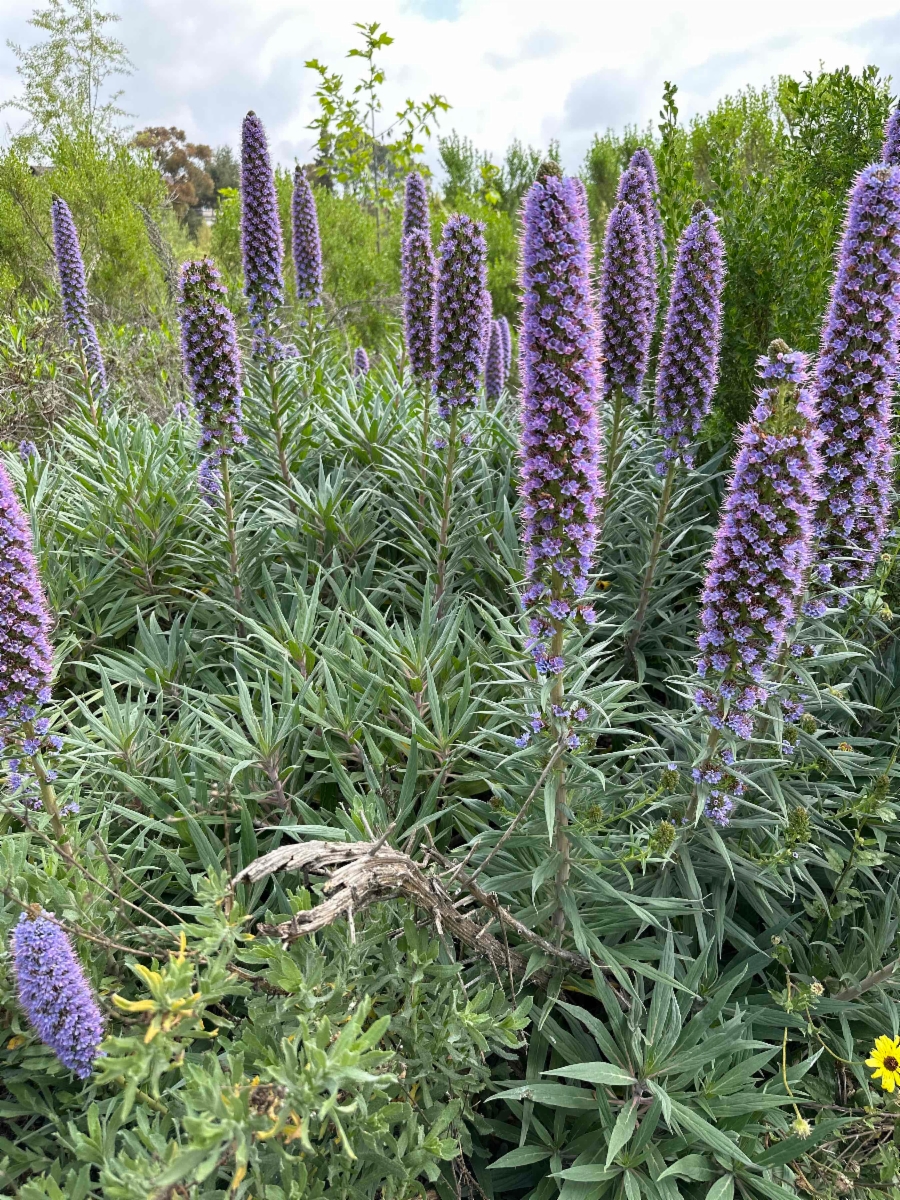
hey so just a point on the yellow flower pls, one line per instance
(886, 1060)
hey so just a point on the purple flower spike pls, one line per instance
(625, 304)
(419, 275)
(212, 364)
(461, 306)
(360, 363)
(635, 189)
(261, 245)
(890, 152)
(689, 355)
(494, 373)
(26, 659)
(305, 242)
(55, 994)
(560, 487)
(415, 211)
(644, 159)
(73, 289)
(855, 377)
(763, 549)
(506, 338)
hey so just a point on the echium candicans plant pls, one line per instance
(855, 377)
(644, 159)
(625, 321)
(462, 302)
(415, 207)
(762, 555)
(636, 189)
(688, 368)
(360, 363)
(506, 339)
(494, 368)
(890, 151)
(73, 289)
(212, 366)
(306, 243)
(419, 279)
(560, 451)
(54, 992)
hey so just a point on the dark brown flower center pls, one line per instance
(890, 1063)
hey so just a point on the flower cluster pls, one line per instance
(855, 377)
(689, 355)
(73, 289)
(890, 151)
(506, 339)
(626, 300)
(561, 488)
(212, 364)
(262, 249)
(305, 242)
(415, 209)
(643, 159)
(763, 547)
(419, 277)
(26, 659)
(360, 362)
(561, 715)
(495, 367)
(462, 308)
(636, 189)
(54, 993)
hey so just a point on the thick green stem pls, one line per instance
(613, 450)
(445, 511)
(275, 416)
(88, 383)
(647, 585)
(231, 534)
(561, 808)
(50, 806)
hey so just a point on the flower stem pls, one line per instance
(89, 387)
(694, 807)
(275, 416)
(646, 586)
(561, 809)
(231, 533)
(445, 511)
(613, 455)
(51, 807)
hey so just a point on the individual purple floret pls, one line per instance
(212, 365)
(689, 355)
(890, 151)
(305, 242)
(560, 372)
(27, 450)
(55, 994)
(644, 159)
(635, 189)
(262, 249)
(855, 377)
(360, 363)
(763, 549)
(419, 277)
(494, 373)
(506, 338)
(462, 302)
(73, 289)
(26, 658)
(625, 304)
(415, 209)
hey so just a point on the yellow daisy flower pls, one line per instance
(886, 1060)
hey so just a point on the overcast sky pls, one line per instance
(530, 69)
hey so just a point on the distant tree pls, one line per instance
(185, 166)
(66, 73)
(224, 169)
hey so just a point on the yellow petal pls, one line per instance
(15, 1042)
(874, 1061)
(887, 1081)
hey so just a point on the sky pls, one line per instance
(528, 69)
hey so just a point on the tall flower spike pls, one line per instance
(506, 338)
(55, 994)
(212, 364)
(493, 372)
(415, 210)
(890, 152)
(305, 242)
(763, 548)
(855, 378)
(419, 282)
(26, 658)
(635, 189)
(644, 159)
(360, 363)
(461, 304)
(689, 356)
(560, 437)
(261, 245)
(625, 304)
(73, 288)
